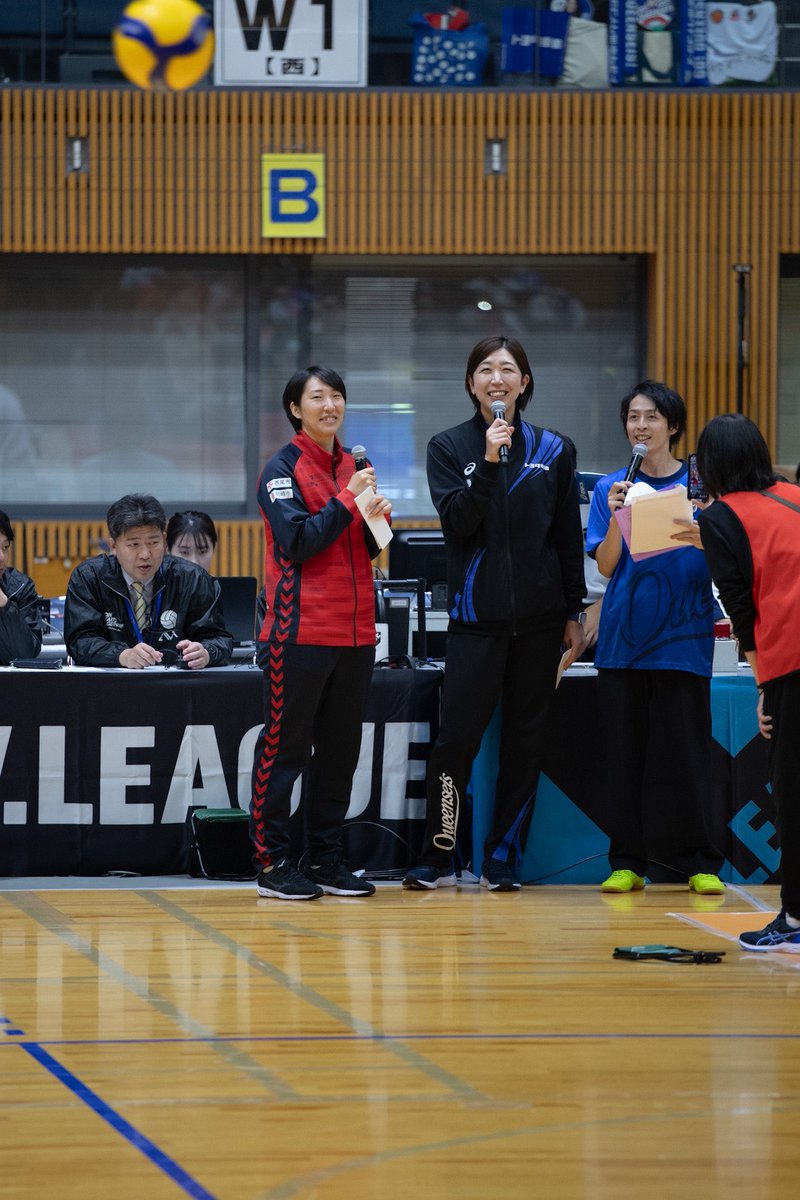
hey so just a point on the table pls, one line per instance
(568, 842)
(99, 769)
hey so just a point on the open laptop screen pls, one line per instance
(238, 593)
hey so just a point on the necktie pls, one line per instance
(139, 604)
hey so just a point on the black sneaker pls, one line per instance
(284, 882)
(778, 935)
(336, 879)
(420, 879)
(498, 876)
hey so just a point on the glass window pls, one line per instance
(121, 374)
(788, 448)
(133, 373)
(399, 331)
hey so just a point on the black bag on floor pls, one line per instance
(220, 844)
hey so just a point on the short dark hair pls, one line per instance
(293, 392)
(5, 526)
(732, 456)
(666, 400)
(129, 512)
(194, 523)
(488, 346)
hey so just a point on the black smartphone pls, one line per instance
(696, 489)
(37, 664)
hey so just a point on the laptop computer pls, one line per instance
(238, 594)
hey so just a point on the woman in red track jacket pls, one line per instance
(317, 642)
(751, 538)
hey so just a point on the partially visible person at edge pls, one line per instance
(20, 631)
(654, 656)
(751, 538)
(192, 535)
(139, 606)
(515, 582)
(316, 645)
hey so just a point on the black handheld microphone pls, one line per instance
(635, 465)
(499, 413)
(360, 456)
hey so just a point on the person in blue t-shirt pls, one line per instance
(653, 658)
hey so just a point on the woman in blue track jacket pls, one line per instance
(506, 495)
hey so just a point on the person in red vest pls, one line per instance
(751, 538)
(317, 641)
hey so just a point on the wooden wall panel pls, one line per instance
(49, 550)
(694, 181)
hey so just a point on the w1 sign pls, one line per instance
(291, 43)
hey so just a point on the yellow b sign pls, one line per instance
(293, 195)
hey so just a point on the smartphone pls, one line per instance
(37, 664)
(696, 489)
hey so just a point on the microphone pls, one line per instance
(635, 465)
(360, 456)
(499, 413)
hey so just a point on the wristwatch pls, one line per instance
(580, 617)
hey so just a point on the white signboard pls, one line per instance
(291, 43)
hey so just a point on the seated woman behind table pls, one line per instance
(20, 632)
(192, 535)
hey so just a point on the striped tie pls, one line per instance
(139, 604)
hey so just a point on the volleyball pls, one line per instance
(163, 44)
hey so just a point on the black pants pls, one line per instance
(314, 696)
(656, 775)
(521, 673)
(782, 702)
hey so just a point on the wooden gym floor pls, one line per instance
(160, 1042)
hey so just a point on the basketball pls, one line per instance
(164, 44)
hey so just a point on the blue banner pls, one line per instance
(693, 69)
(533, 41)
(630, 22)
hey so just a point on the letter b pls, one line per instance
(293, 195)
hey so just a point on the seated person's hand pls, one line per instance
(194, 654)
(140, 656)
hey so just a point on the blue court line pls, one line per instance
(62, 927)
(149, 1149)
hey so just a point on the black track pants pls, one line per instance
(520, 672)
(314, 696)
(782, 703)
(656, 773)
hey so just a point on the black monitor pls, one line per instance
(420, 554)
(238, 597)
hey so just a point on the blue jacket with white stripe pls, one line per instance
(512, 533)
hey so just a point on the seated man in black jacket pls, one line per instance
(20, 632)
(140, 606)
